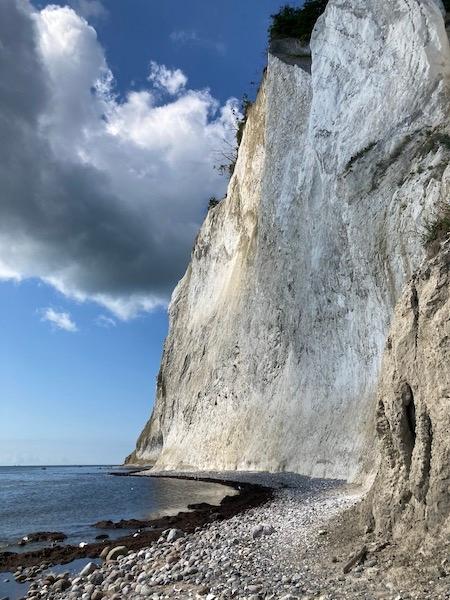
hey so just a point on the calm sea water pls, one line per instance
(71, 499)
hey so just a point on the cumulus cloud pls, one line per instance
(169, 80)
(101, 197)
(59, 320)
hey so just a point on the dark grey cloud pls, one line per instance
(99, 198)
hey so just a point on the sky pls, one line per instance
(113, 115)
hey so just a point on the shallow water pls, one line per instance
(71, 499)
(11, 589)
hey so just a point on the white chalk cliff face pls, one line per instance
(278, 326)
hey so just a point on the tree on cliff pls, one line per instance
(298, 23)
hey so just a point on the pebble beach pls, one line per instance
(278, 550)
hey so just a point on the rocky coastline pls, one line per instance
(146, 532)
(285, 536)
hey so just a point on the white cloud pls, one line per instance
(191, 37)
(184, 36)
(105, 321)
(101, 197)
(8, 274)
(59, 320)
(89, 9)
(173, 81)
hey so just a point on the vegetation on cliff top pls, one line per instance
(298, 23)
(212, 202)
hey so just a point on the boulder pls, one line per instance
(104, 553)
(116, 552)
(262, 529)
(61, 585)
(174, 534)
(96, 578)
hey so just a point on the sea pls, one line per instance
(71, 499)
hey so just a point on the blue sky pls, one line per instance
(82, 326)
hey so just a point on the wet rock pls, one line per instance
(174, 534)
(61, 585)
(116, 552)
(122, 524)
(88, 569)
(104, 553)
(200, 506)
(42, 536)
(96, 578)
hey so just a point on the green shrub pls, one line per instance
(437, 228)
(245, 106)
(213, 202)
(298, 23)
(228, 157)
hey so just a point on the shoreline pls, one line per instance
(303, 543)
(249, 496)
(252, 555)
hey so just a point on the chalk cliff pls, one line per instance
(411, 493)
(278, 326)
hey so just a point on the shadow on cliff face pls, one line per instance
(410, 498)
